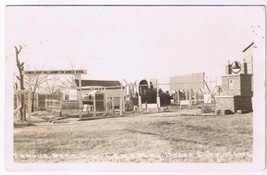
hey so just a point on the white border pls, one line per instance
(258, 165)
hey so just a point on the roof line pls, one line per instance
(248, 47)
(96, 80)
(98, 83)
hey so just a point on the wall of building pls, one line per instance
(237, 85)
(225, 103)
(113, 92)
(246, 88)
(231, 85)
(233, 103)
(109, 92)
(243, 103)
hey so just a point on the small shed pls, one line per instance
(111, 88)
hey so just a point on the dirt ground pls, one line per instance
(157, 137)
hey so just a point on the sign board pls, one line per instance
(149, 105)
(55, 72)
(188, 81)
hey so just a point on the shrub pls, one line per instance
(207, 109)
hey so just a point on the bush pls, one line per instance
(207, 109)
(165, 99)
(134, 100)
(150, 96)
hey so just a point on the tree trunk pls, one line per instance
(21, 80)
(33, 101)
(21, 108)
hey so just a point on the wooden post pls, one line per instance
(60, 108)
(140, 102)
(29, 106)
(46, 82)
(190, 98)
(113, 106)
(190, 93)
(178, 97)
(94, 105)
(80, 96)
(123, 99)
(121, 102)
(106, 102)
(158, 98)
(195, 96)
(158, 102)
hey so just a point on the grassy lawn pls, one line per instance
(159, 137)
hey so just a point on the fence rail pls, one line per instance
(70, 105)
(53, 105)
(62, 106)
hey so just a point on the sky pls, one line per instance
(132, 42)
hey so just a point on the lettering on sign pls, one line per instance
(55, 72)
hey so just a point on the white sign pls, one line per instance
(55, 72)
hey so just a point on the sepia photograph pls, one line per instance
(135, 84)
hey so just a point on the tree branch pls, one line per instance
(22, 64)
(18, 50)
(18, 78)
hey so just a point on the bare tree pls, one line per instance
(69, 80)
(20, 66)
(53, 86)
(66, 82)
(34, 82)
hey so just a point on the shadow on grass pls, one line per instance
(171, 139)
(86, 118)
(140, 132)
(23, 125)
